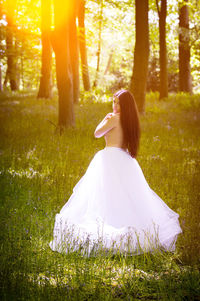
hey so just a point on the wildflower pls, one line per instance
(156, 138)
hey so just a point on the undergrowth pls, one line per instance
(38, 172)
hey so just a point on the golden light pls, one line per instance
(63, 12)
(51, 13)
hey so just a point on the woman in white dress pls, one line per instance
(112, 206)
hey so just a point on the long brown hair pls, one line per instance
(130, 123)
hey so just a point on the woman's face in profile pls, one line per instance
(116, 105)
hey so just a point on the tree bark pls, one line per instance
(162, 13)
(6, 79)
(16, 61)
(185, 79)
(99, 45)
(109, 62)
(141, 54)
(10, 48)
(82, 46)
(60, 43)
(74, 53)
(45, 88)
(1, 38)
(1, 86)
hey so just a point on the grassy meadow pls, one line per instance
(38, 170)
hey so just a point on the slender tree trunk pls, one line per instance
(60, 43)
(1, 38)
(74, 54)
(99, 45)
(162, 13)
(11, 54)
(141, 54)
(6, 79)
(22, 71)
(11, 64)
(82, 46)
(45, 88)
(1, 86)
(185, 79)
(16, 61)
(109, 62)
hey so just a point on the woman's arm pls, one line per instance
(105, 125)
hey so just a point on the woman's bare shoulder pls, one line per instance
(115, 119)
(113, 116)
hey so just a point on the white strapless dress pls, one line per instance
(113, 207)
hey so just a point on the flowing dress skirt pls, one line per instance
(113, 207)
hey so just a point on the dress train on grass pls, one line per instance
(113, 207)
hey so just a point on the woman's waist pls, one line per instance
(114, 145)
(113, 142)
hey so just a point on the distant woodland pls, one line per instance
(103, 45)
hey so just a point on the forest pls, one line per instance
(60, 64)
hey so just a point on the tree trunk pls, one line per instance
(1, 39)
(22, 71)
(60, 43)
(74, 54)
(185, 80)
(16, 61)
(162, 13)
(11, 53)
(1, 86)
(141, 54)
(6, 79)
(45, 88)
(82, 46)
(109, 62)
(99, 45)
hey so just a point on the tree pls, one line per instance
(74, 51)
(82, 46)
(11, 45)
(60, 41)
(1, 48)
(185, 80)
(45, 89)
(109, 61)
(162, 13)
(141, 54)
(99, 43)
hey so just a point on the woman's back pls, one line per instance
(114, 137)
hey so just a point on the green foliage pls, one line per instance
(26, 41)
(116, 40)
(121, 40)
(38, 172)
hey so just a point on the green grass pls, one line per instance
(38, 170)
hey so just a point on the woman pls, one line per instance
(112, 206)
